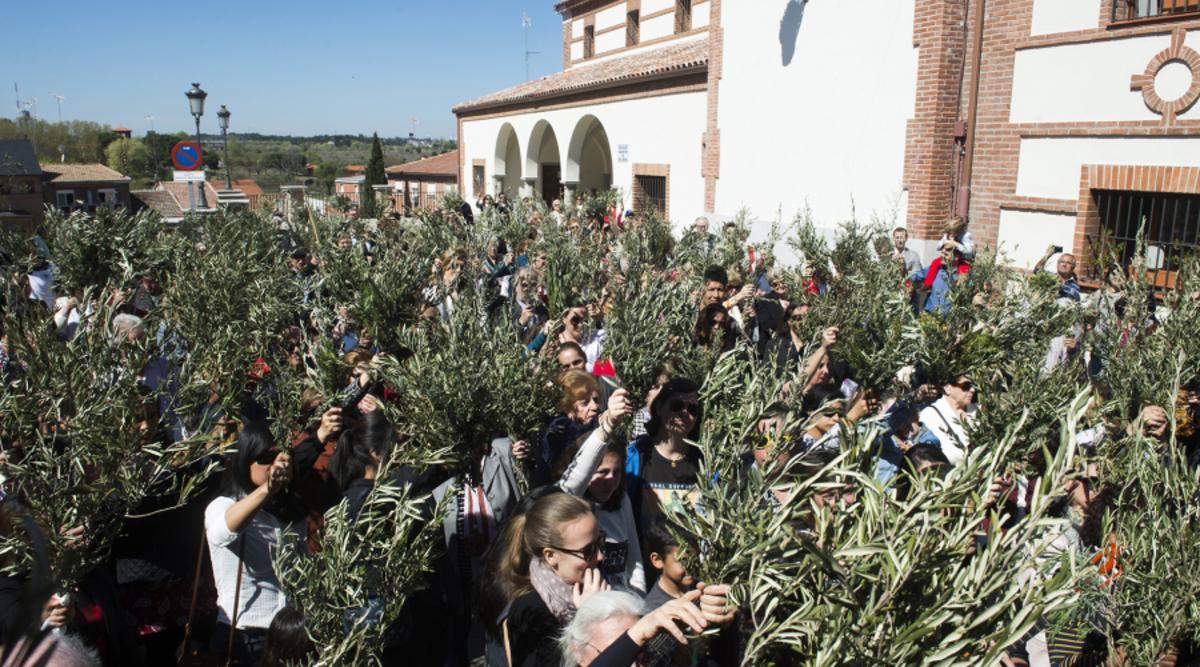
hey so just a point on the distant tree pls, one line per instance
(159, 145)
(130, 157)
(375, 176)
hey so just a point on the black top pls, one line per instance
(533, 632)
(620, 653)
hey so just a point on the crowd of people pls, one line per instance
(575, 543)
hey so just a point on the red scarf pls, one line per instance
(935, 268)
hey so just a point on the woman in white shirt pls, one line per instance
(597, 474)
(948, 417)
(244, 527)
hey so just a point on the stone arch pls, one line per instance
(543, 162)
(506, 167)
(589, 156)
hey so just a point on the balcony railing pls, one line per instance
(1133, 10)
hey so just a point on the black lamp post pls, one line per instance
(196, 104)
(223, 120)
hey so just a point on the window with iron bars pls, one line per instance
(589, 41)
(650, 195)
(1170, 228)
(1129, 10)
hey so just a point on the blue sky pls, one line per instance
(299, 67)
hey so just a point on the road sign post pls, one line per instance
(187, 156)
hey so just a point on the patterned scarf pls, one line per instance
(556, 593)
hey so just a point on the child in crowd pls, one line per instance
(662, 549)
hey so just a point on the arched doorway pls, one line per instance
(589, 157)
(506, 169)
(543, 164)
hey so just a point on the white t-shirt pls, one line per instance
(41, 285)
(261, 597)
(943, 421)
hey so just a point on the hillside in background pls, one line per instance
(272, 160)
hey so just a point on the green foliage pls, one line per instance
(880, 581)
(650, 323)
(130, 157)
(79, 435)
(382, 557)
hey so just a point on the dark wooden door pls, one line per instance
(551, 182)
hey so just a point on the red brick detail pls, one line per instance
(930, 162)
(1176, 53)
(710, 161)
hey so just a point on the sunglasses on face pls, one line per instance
(267, 458)
(966, 386)
(587, 553)
(677, 406)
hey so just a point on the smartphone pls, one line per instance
(1058, 248)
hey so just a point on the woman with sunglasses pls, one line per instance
(947, 418)
(549, 564)
(661, 467)
(244, 526)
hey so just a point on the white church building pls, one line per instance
(1042, 121)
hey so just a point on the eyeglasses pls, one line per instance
(965, 386)
(267, 458)
(589, 552)
(679, 405)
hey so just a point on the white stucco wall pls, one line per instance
(700, 15)
(576, 50)
(657, 27)
(611, 16)
(1054, 16)
(651, 6)
(610, 41)
(1050, 167)
(1086, 82)
(576, 28)
(600, 57)
(827, 128)
(1024, 235)
(657, 130)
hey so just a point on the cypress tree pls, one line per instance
(375, 176)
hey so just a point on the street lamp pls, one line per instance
(223, 120)
(196, 104)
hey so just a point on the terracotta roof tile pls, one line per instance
(248, 186)
(179, 191)
(161, 201)
(678, 58)
(445, 164)
(80, 173)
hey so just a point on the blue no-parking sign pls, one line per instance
(187, 156)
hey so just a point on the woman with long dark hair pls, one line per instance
(244, 526)
(661, 467)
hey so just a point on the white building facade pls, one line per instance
(1041, 121)
(695, 110)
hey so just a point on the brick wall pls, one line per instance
(1007, 29)
(930, 156)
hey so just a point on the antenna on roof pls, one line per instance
(525, 24)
